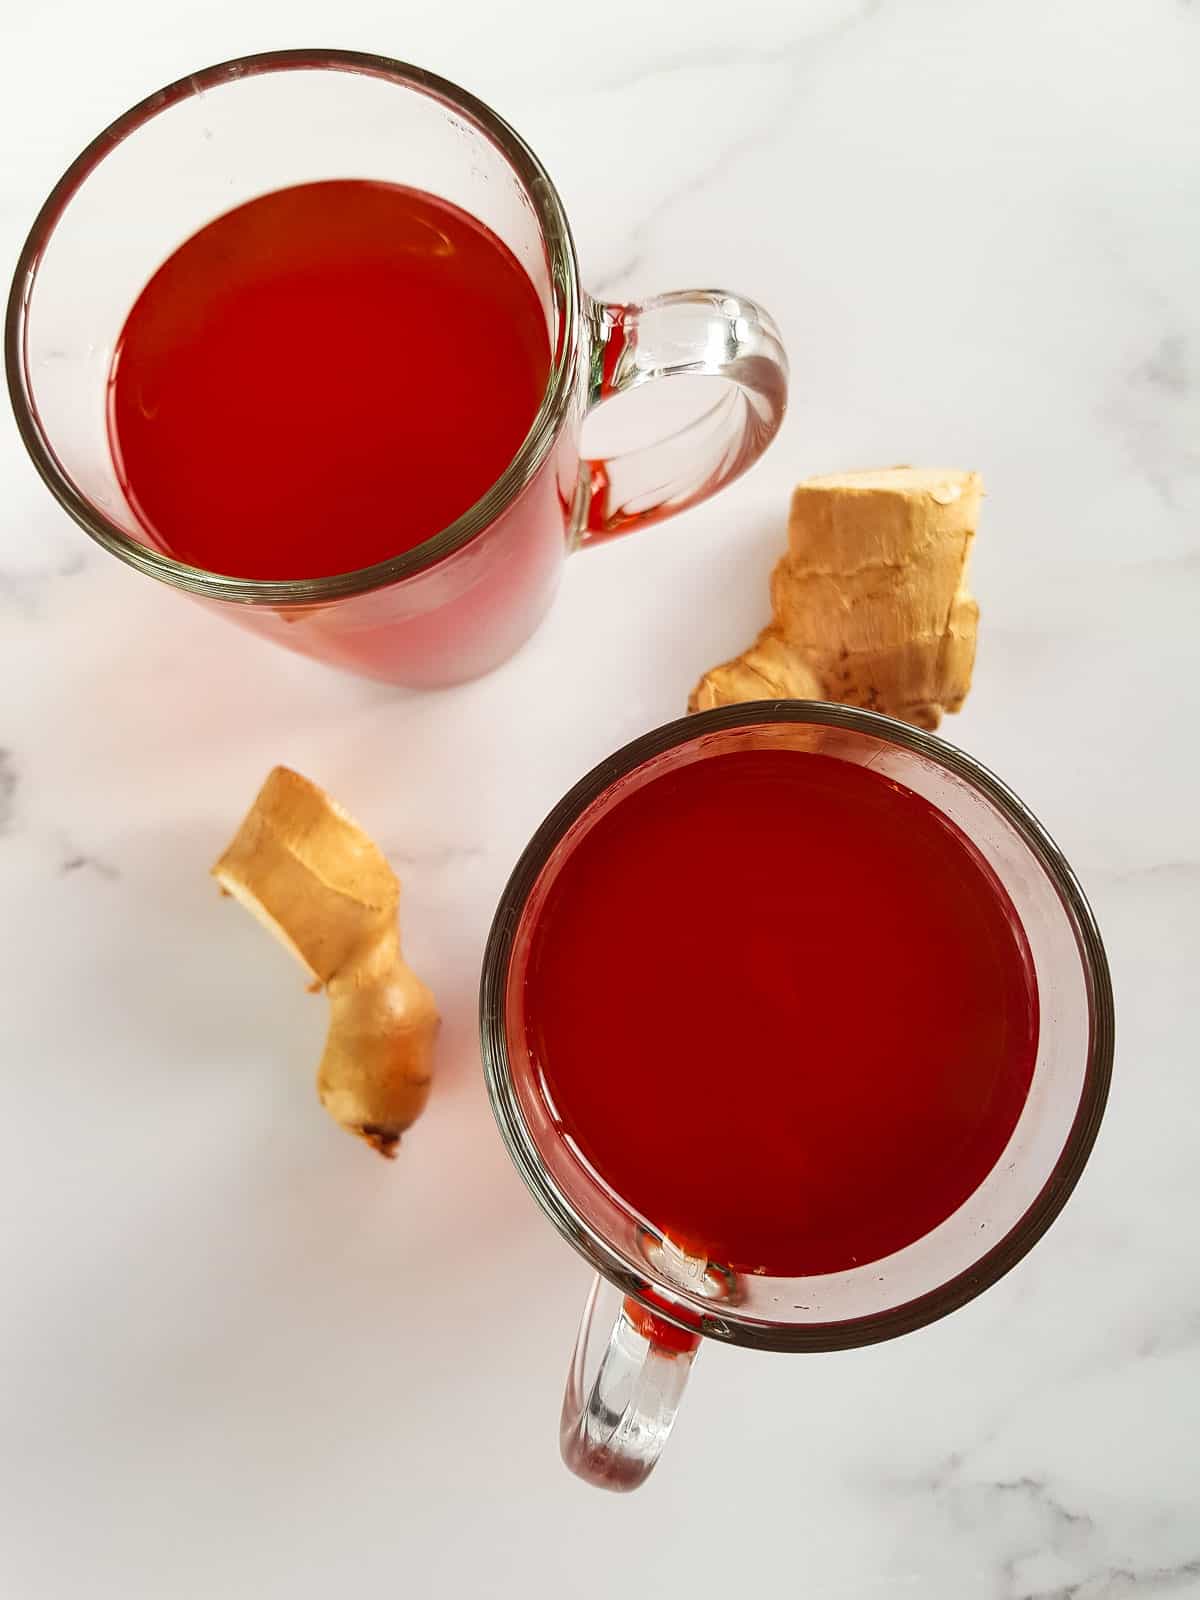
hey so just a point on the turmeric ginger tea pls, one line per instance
(323, 378)
(782, 1007)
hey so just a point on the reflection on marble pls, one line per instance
(240, 1357)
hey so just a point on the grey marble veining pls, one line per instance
(8, 788)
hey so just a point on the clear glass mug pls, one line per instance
(460, 603)
(625, 1384)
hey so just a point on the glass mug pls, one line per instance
(460, 603)
(614, 1424)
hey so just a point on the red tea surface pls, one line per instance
(782, 1007)
(323, 378)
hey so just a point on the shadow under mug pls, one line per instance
(615, 1423)
(461, 602)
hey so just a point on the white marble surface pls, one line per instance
(241, 1357)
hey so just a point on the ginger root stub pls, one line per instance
(870, 600)
(310, 874)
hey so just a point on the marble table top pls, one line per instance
(239, 1356)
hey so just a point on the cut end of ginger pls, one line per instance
(871, 605)
(305, 869)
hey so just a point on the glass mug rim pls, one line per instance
(564, 277)
(725, 1323)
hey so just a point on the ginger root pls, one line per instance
(870, 600)
(310, 874)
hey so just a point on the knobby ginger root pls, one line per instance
(324, 889)
(870, 600)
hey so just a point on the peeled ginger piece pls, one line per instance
(310, 875)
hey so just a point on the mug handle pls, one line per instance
(691, 331)
(613, 1432)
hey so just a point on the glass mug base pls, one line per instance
(459, 603)
(623, 1390)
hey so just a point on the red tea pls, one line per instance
(323, 378)
(781, 1006)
